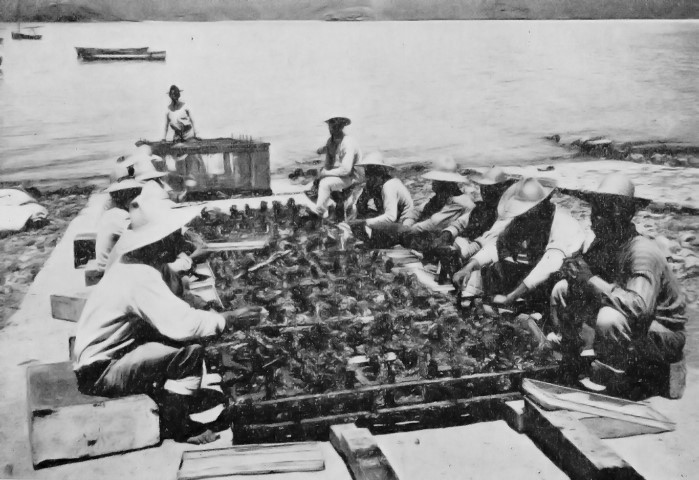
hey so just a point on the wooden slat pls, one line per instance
(363, 398)
(363, 455)
(573, 448)
(384, 420)
(250, 460)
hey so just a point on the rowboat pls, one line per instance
(109, 51)
(145, 56)
(26, 36)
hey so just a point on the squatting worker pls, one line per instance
(468, 232)
(115, 220)
(539, 231)
(133, 332)
(619, 299)
(391, 199)
(342, 154)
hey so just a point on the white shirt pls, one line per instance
(565, 240)
(397, 205)
(110, 227)
(131, 298)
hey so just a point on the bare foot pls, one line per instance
(203, 438)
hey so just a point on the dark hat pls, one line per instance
(174, 88)
(341, 121)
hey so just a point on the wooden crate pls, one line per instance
(232, 165)
(430, 404)
(64, 424)
(68, 306)
(83, 248)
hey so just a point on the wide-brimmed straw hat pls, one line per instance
(522, 197)
(617, 187)
(342, 121)
(120, 179)
(494, 176)
(152, 221)
(145, 170)
(374, 159)
(445, 169)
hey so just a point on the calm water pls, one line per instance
(484, 92)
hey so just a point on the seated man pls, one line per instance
(131, 337)
(391, 199)
(620, 300)
(448, 202)
(468, 231)
(544, 234)
(115, 220)
(341, 156)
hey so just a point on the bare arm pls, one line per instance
(191, 120)
(167, 127)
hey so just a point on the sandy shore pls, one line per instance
(32, 336)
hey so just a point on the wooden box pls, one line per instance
(84, 248)
(227, 164)
(64, 424)
(68, 306)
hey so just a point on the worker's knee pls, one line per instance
(611, 322)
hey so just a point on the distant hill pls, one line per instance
(343, 10)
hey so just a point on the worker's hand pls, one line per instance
(443, 240)
(501, 300)
(576, 270)
(243, 318)
(462, 277)
(467, 248)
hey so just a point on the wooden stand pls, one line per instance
(64, 424)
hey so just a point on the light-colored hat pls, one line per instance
(494, 176)
(145, 170)
(373, 159)
(522, 197)
(445, 169)
(120, 179)
(618, 187)
(152, 221)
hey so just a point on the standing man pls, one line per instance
(620, 301)
(540, 233)
(341, 156)
(134, 334)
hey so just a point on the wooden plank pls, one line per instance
(572, 447)
(364, 456)
(68, 306)
(64, 424)
(251, 460)
(239, 246)
(365, 397)
(554, 397)
(513, 414)
(336, 432)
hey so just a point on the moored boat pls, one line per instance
(109, 51)
(26, 36)
(145, 56)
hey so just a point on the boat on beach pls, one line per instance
(122, 57)
(109, 51)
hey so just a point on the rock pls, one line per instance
(658, 159)
(673, 162)
(693, 161)
(682, 161)
(554, 138)
(636, 157)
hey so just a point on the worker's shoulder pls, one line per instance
(640, 245)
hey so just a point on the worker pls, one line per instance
(543, 233)
(468, 232)
(342, 153)
(448, 202)
(132, 336)
(115, 220)
(619, 301)
(180, 120)
(154, 186)
(390, 197)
